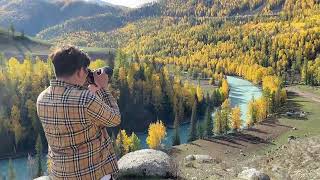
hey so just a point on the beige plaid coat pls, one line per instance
(74, 121)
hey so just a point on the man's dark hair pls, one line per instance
(68, 60)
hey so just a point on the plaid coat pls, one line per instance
(74, 121)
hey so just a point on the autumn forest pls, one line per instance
(161, 54)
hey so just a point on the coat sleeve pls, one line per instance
(103, 110)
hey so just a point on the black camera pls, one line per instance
(108, 70)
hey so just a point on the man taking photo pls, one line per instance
(74, 118)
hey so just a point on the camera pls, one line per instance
(108, 70)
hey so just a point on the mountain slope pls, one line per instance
(101, 22)
(204, 8)
(19, 45)
(32, 16)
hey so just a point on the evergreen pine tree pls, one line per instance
(218, 123)
(176, 137)
(200, 130)
(178, 117)
(304, 71)
(122, 149)
(208, 123)
(38, 156)
(193, 121)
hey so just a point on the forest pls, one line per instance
(146, 92)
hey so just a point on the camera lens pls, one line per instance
(90, 77)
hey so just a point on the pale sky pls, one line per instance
(129, 3)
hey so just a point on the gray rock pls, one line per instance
(199, 158)
(253, 174)
(190, 157)
(146, 163)
(204, 158)
(43, 178)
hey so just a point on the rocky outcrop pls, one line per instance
(146, 163)
(253, 174)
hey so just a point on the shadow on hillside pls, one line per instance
(19, 49)
(249, 138)
(271, 122)
(293, 105)
(257, 130)
(26, 45)
(235, 139)
(173, 151)
(224, 142)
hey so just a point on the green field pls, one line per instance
(310, 89)
(18, 46)
(306, 127)
(98, 50)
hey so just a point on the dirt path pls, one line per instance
(305, 94)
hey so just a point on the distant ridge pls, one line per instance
(45, 13)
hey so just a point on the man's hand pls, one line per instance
(101, 81)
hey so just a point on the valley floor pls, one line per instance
(264, 147)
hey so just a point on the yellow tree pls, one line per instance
(16, 125)
(283, 94)
(122, 74)
(262, 108)
(123, 142)
(224, 89)
(13, 68)
(235, 118)
(252, 113)
(97, 64)
(156, 91)
(225, 114)
(156, 133)
(199, 93)
(134, 142)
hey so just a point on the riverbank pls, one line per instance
(263, 140)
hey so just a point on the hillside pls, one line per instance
(20, 45)
(99, 16)
(101, 22)
(278, 43)
(221, 8)
(157, 9)
(44, 13)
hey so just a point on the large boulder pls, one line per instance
(253, 174)
(146, 163)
